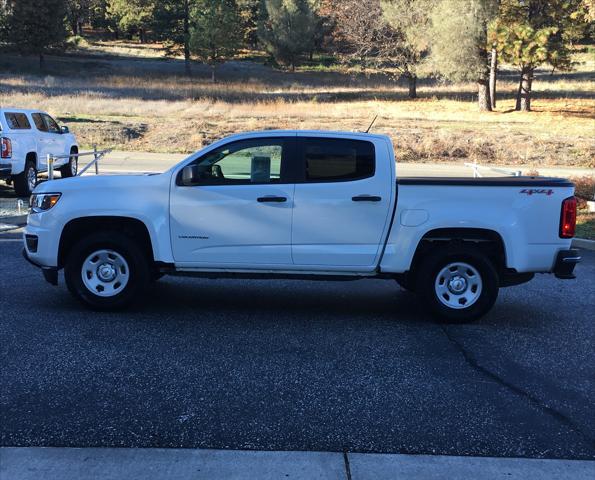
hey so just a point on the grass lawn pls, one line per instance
(128, 96)
(585, 225)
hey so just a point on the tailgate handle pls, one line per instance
(366, 198)
(271, 199)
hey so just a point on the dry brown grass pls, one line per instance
(146, 105)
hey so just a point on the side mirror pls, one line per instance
(64, 129)
(188, 175)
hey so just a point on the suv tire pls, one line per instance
(106, 271)
(458, 284)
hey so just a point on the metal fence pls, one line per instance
(97, 155)
(477, 173)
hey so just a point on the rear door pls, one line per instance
(342, 202)
(43, 139)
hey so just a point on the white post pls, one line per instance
(50, 162)
(95, 157)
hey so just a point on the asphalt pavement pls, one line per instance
(280, 365)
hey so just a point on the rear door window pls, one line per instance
(39, 123)
(337, 160)
(17, 121)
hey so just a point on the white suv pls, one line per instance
(26, 139)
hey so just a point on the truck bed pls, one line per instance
(487, 181)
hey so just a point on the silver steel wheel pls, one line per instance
(74, 165)
(105, 273)
(458, 285)
(31, 176)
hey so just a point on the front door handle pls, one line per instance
(366, 198)
(271, 199)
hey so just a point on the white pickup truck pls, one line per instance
(302, 204)
(26, 139)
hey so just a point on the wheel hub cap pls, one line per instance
(105, 273)
(458, 285)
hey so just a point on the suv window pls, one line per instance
(337, 160)
(51, 124)
(242, 163)
(39, 123)
(17, 121)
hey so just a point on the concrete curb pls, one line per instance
(583, 243)
(28, 463)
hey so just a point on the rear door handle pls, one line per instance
(271, 199)
(366, 198)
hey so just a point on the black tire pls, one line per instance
(71, 168)
(138, 269)
(435, 265)
(22, 181)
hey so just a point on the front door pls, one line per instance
(234, 209)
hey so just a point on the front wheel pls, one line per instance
(106, 271)
(71, 168)
(458, 285)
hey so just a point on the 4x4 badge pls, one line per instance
(537, 191)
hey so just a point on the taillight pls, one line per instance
(568, 218)
(6, 148)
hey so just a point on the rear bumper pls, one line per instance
(565, 263)
(5, 170)
(49, 273)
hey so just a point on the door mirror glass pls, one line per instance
(64, 129)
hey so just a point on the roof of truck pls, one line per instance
(19, 110)
(309, 132)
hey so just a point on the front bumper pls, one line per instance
(565, 263)
(49, 273)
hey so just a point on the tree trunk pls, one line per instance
(141, 35)
(187, 39)
(412, 79)
(493, 76)
(41, 61)
(483, 89)
(523, 99)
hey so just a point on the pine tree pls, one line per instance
(533, 32)
(35, 26)
(132, 16)
(459, 48)
(215, 34)
(171, 23)
(287, 29)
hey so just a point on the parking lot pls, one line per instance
(280, 365)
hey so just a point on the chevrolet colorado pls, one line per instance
(302, 204)
(26, 139)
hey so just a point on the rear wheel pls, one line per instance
(106, 271)
(71, 168)
(458, 284)
(25, 182)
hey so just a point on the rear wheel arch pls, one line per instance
(488, 241)
(32, 156)
(81, 227)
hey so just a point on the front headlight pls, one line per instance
(41, 202)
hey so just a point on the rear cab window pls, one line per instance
(17, 121)
(337, 160)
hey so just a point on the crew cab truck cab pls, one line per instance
(26, 139)
(302, 204)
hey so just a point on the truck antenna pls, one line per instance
(371, 124)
